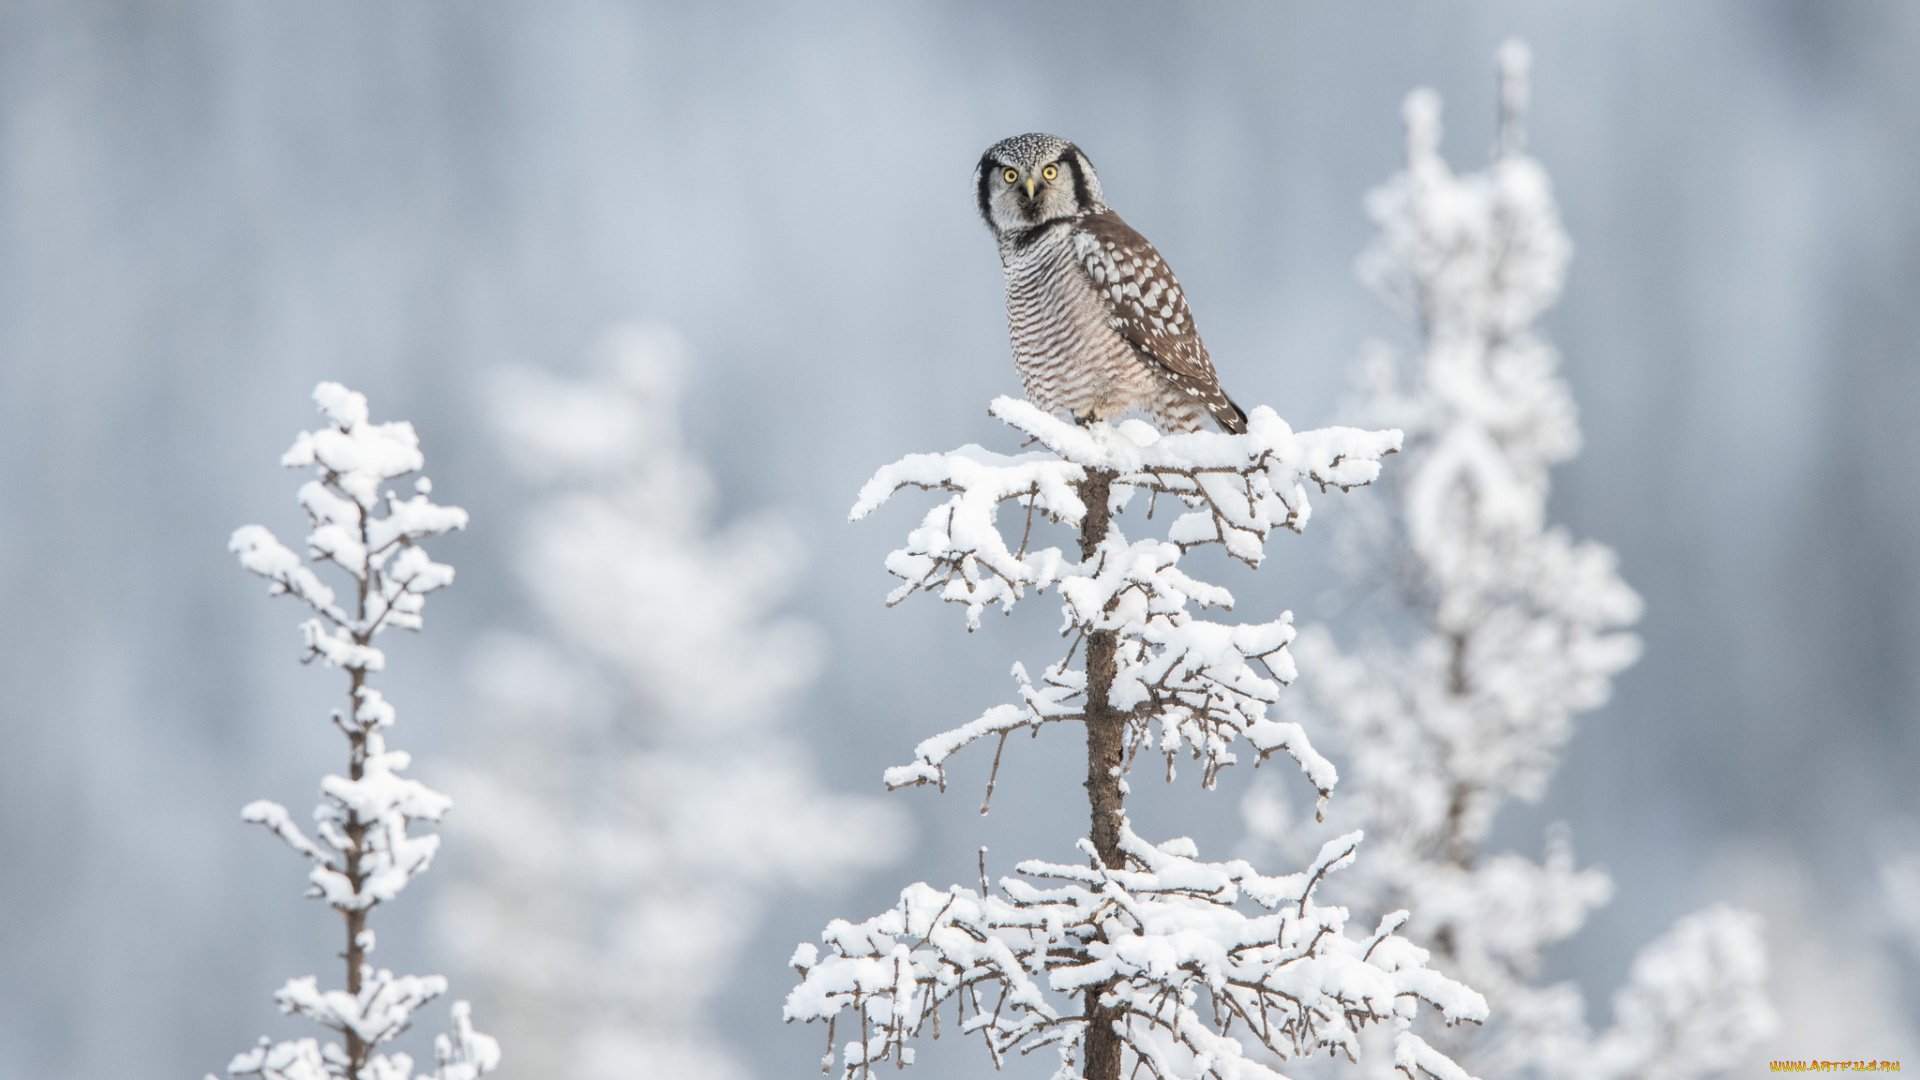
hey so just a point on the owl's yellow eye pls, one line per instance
(1010, 176)
(1050, 172)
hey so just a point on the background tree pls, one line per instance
(635, 802)
(1146, 960)
(362, 848)
(1494, 631)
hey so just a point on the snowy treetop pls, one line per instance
(360, 455)
(393, 574)
(1471, 261)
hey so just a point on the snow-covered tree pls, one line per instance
(1503, 629)
(363, 848)
(1146, 960)
(636, 801)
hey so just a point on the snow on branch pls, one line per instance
(1196, 680)
(1186, 950)
(362, 849)
(1236, 490)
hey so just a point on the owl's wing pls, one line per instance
(1146, 307)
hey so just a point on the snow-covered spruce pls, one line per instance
(362, 849)
(1504, 630)
(633, 802)
(1148, 958)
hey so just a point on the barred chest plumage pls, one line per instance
(1069, 355)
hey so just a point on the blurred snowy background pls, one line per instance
(206, 208)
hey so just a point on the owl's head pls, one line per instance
(1030, 180)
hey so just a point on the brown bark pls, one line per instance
(357, 1049)
(1105, 737)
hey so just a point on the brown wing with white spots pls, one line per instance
(1146, 307)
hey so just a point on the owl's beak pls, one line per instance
(1030, 184)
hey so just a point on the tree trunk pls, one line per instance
(356, 957)
(1105, 736)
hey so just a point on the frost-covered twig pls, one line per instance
(362, 848)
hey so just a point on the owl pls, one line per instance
(1099, 325)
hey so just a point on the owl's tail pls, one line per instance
(1231, 417)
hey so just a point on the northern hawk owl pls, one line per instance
(1099, 325)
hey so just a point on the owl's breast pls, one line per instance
(1068, 354)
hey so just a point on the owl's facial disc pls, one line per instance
(1032, 180)
(1037, 195)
